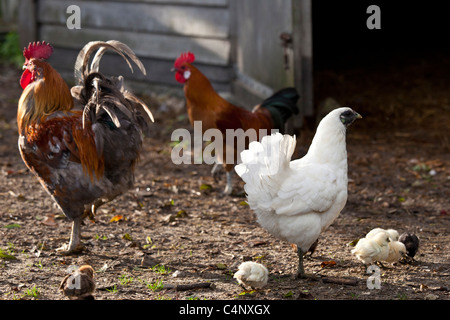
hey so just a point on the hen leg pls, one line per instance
(300, 270)
(74, 244)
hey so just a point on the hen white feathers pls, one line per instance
(297, 200)
(252, 274)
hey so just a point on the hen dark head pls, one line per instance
(348, 116)
(34, 53)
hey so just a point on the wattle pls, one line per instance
(179, 77)
(25, 79)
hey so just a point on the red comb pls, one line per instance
(38, 50)
(184, 57)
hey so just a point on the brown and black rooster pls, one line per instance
(206, 105)
(82, 144)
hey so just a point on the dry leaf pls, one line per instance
(353, 243)
(116, 218)
(205, 187)
(255, 243)
(221, 266)
(330, 263)
(127, 236)
(49, 220)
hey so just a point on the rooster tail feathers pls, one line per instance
(107, 103)
(102, 95)
(122, 48)
(262, 160)
(131, 97)
(281, 105)
(82, 69)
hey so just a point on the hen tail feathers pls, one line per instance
(264, 164)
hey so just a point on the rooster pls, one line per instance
(83, 157)
(297, 200)
(205, 105)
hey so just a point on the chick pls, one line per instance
(393, 234)
(252, 274)
(372, 249)
(411, 243)
(80, 284)
(397, 251)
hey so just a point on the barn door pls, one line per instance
(271, 41)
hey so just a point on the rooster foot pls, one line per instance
(215, 171)
(75, 245)
(229, 187)
(228, 190)
(68, 249)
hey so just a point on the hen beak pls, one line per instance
(358, 116)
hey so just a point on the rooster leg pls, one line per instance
(215, 171)
(229, 186)
(300, 270)
(74, 244)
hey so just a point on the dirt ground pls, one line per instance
(176, 228)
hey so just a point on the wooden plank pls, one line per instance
(302, 47)
(197, 3)
(141, 17)
(27, 22)
(307, 58)
(259, 52)
(158, 71)
(8, 12)
(207, 51)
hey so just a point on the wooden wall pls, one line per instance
(157, 31)
(259, 55)
(236, 42)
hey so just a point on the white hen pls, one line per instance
(297, 200)
(372, 249)
(252, 274)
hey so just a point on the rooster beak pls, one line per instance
(173, 70)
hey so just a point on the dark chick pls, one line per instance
(80, 284)
(411, 242)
